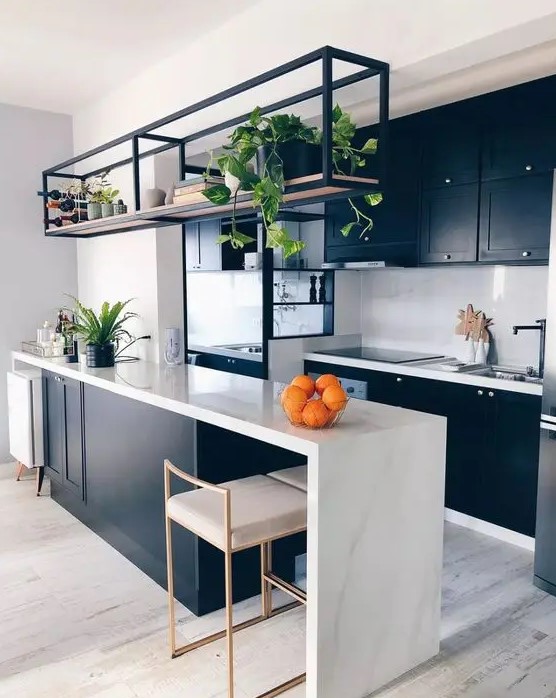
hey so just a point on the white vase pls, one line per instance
(482, 352)
(152, 198)
(471, 349)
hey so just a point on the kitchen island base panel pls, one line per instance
(380, 519)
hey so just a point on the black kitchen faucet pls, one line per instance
(541, 326)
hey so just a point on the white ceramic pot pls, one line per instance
(107, 210)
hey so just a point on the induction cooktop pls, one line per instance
(391, 356)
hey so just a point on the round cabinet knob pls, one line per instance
(350, 390)
(229, 361)
(490, 393)
(399, 380)
(479, 392)
(448, 180)
(366, 239)
(233, 361)
(528, 168)
(447, 256)
(526, 253)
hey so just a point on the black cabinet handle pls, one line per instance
(526, 253)
(447, 256)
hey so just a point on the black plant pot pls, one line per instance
(100, 355)
(299, 159)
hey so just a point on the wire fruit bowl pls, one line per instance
(296, 419)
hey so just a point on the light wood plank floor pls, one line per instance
(77, 620)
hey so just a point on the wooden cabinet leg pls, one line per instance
(19, 470)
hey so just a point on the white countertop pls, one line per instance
(242, 404)
(429, 371)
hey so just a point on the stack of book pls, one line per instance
(190, 191)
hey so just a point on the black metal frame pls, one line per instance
(326, 55)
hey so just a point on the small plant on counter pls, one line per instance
(101, 332)
(347, 159)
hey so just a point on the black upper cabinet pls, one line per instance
(393, 237)
(515, 149)
(449, 224)
(451, 146)
(203, 253)
(515, 219)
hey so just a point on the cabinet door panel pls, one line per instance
(191, 242)
(209, 250)
(54, 429)
(511, 472)
(513, 150)
(449, 224)
(73, 466)
(515, 219)
(451, 155)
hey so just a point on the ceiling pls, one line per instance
(58, 56)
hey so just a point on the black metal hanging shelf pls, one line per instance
(301, 191)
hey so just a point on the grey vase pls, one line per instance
(152, 198)
(107, 210)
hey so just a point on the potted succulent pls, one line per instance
(101, 198)
(103, 332)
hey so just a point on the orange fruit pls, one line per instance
(316, 414)
(293, 398)
(324, 381)
(335, 398)
(294, 415)
(306, 384)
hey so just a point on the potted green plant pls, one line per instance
(101, 198)
(264, 138)
(103, 332)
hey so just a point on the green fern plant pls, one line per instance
(105, 328)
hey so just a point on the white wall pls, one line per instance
(423, 41)
(35, 271)
(417, 308)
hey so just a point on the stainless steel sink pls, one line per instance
(507, 374)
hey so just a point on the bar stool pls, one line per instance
(233, 516)
(296, 477)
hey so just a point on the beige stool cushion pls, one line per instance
(296, 477)
(262, 509)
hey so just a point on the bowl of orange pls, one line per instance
(313, 404)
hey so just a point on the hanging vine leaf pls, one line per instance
(373, 199)
(346, 229)
(371, 146)
(218, 194)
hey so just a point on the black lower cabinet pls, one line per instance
(242, 367)
(492, 442)
(124, 443)
(63, 417)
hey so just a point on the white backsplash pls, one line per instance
(416, 309)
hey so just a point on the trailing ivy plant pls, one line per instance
(267, 186)
(346, 157)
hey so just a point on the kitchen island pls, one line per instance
(375, 498)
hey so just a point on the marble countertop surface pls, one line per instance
(242, 404)
(430, 370)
